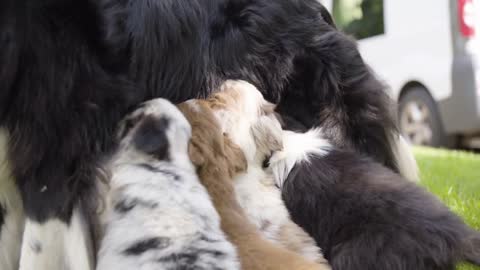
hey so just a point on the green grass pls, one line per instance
(454, 176)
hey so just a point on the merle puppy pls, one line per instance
(158, 214)
(71, 69)
(363, 215)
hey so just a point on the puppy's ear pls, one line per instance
(267, 134)
(151, 138)
(237, 162)
(195, 155)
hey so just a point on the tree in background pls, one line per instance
(361, 19)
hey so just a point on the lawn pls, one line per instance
(454, 176)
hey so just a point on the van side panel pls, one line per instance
(422, 43)
(461, 111)
(416, 46)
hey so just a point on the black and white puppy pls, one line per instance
(158, 215)
(363, 215)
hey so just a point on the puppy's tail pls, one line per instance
(471, 252)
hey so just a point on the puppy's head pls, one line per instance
(209, 146)
(247, 118)
(267, 134)
(157, 130)
(241, 98)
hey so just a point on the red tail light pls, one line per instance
(466, 10)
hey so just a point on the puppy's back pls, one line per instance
(158, 215)
(217, 160)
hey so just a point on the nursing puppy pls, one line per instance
(240, 108)
(363, 215)
(158, 215)
(217, 160)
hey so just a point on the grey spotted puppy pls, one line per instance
(158, 215)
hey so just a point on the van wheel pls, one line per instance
(419, 119)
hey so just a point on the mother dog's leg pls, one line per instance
(60, 104)
(11, 212)
(56, 245)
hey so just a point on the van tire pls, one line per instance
(419, 120)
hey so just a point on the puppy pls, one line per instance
(241, 110)
(217, 160)
(363, 215)
(158, 215)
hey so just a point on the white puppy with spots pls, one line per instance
(158, 215)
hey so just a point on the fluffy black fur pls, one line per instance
(364, 216)
(289, 49)
(69, 70)
(57, 101)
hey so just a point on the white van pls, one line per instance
(428, 53)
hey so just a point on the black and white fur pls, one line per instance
(70, 70)
(29, 245)
(158, 215)
(363, 215)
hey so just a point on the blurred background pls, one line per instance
(428, 54)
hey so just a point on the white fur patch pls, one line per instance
(262, 201)
(297, 147)
(55, 245)
(238, 118)
(257, 194)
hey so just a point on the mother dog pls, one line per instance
(70, 70)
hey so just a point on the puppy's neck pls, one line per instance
(131, 156)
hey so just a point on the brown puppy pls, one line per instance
(249, 121)
(217, 160)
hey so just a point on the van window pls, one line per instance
(360, 18)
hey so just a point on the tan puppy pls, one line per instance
(217, 160)
(248, 119)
